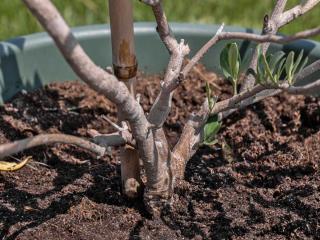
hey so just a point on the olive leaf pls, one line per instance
(212, 125)
(270, 68)
(234, 60)
(289, 66)
(230, 62)
(224, 63)
(294, 67)
(211, 99)
(211, 129)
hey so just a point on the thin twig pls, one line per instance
(246, 36)
(111, 139)
(259, 93)
(114, 125)
(232, 102)
(44, 139)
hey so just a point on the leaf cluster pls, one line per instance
(273, 67)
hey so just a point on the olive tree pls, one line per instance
(142, 132)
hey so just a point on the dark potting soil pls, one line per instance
(261, 181)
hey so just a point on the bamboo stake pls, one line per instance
(125, 69)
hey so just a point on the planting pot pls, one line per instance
(32, 61)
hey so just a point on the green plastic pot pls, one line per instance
(29, 62)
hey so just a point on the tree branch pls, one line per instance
(271, 26)
(111, 139)
(150, 2)
(161, 107)
(309, 89)
(163, 27)
(44, 139)
(94, 76)
(246, 36)
(233, 101)
(251, 100)
(296, 12)
(307, 71)
(191, 135)
(102, 82)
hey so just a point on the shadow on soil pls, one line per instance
(206, 181)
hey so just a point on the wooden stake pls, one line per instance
(125, 69)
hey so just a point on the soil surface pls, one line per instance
(261, 181)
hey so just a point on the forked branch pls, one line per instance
(162, 105)
(270, 26)
(297, 11)
(278, 19)
(102, 82)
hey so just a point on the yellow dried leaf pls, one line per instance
(12, 166)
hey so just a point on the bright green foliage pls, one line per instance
(211, 99)
(230, 62)
(294, 67)
(212, 125)
(269, 69)
(272, 67)
(211, 129)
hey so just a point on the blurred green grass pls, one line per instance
(15, 19)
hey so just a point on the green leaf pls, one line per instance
(271, 67)
(289, 66)
(297, 62)
(279, 69)
(211, 129)
(230, 63)
(260, 66)
(234, 60)
(275, 59)
(302, 65)
(267, 68)
(298, 66)
(224, 64)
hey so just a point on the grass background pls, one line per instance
(15, 19)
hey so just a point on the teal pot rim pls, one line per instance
(31, 61)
